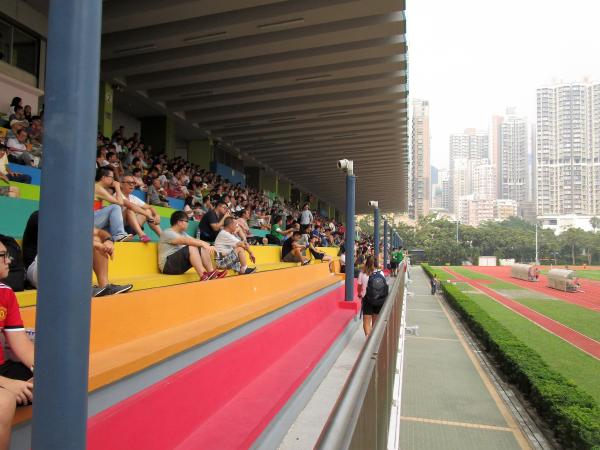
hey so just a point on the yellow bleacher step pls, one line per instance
(29, 297)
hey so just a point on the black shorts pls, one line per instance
(178, 262)
(15, 370)
(317, 255)
(393, 265)
(368, 309)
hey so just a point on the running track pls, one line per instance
(582, 342)
(589, 298)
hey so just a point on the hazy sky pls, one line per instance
(473, 58)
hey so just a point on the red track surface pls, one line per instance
(584, 343)
(589, 298)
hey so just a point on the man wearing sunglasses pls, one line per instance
(16, 377)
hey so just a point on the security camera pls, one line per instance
(374, 204)
(346, 165)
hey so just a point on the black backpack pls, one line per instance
(16, 274)
(377, 289)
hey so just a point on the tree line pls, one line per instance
(512, 238)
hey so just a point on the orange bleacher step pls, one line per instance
(141, 282)
(131, 332)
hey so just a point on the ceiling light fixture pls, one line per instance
(205, 37)
(282, 24)
(283, 119)
(332, 114)
(135, 49)
(314, 77)
(197, 94)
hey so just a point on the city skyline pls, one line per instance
(468, 78)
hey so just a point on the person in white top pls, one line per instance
(18, 150)
(306, 217)
(134, 219)
(231, 251)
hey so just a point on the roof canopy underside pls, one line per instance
(290, 85)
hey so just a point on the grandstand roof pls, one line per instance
(296, 85)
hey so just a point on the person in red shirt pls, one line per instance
(16, 377)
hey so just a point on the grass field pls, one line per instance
(571, 362)
(580, 319)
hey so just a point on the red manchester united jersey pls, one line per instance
(10, 317)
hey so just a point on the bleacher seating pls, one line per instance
(167, 315)
(136, 263)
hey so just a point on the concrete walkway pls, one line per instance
(448, 402)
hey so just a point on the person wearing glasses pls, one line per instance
(133, 219)
(178, 252)
(109, 217)
(212, 222)
(16, 377)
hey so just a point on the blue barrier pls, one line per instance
(139, 194)
(176, 203)
(33, 172)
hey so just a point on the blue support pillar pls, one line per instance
(376, 240)
(350, 208)
(66, 225)
(385, 244)
(391, 241)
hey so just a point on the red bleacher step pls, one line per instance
(226, 400)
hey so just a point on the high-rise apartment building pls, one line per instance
(568, 149)
(513, 163)
(467, 150)
(483, 181)
(420, 152)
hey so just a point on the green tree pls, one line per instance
(595, 223)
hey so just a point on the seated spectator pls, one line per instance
(8, 175)
(18, 150)
(114, 162)
(212, 222)
(292, 251)
(258, 220)
(133, 219)
(139, 182)
(312, 248)
(15, 102)
(156, 194)
(35, 135)
(103, 248)
(150, 176)
(19, 116)
(231, 251)
(189, 212)
(16, 377)
(27, 113)
(178, 252)
(277, 233)
(206, 204)
(198, 213)
(174, 188)
(109, 217)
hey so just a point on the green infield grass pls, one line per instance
(571, 362)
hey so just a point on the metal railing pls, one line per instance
(361, 417)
